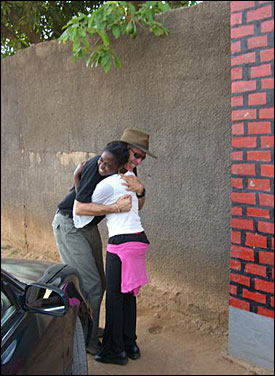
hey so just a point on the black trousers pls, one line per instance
(121, 312)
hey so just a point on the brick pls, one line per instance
(238, 129)
(257, 99)
(267, 141)
(244, 198)
(243, 114)
(260, 127)
(236, 19)
(264, 285)
(236, 210)
(236, 73)
(265, 312)
(266, 200)
(244, 142)
(256, 42)
(259, 13)
(237, 303)
(235, 47)
(237, 183)
(267, 83)
(243, 169)
(241, 279)
(267, 55)
(237, 101)
(256, 240)
(267, 170)
(241, 5)
(237, 156)
(242, 253)
(242, 224)
(256, 212)
(266, 113)
(259, 184)
(232, 290)
(243, 86)
(266, 227)
(267, 26)
(261, 155)
(255, 269)
(236, 265)
(260, 71)
(242, 31)
(256, 296)
(235, 237)
(244, 59)
(266, 258)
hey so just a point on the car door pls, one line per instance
(32, 343)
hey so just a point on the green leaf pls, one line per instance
(88, 61)
(116, 31)
(129, 28)
(104, 37)
(106, 63)
(76, 45)
(117, 62)
(157, 31)
(107, 67)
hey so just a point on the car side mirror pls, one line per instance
(45, 299)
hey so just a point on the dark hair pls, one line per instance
(119, 150)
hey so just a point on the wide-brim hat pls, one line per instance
(138, 139)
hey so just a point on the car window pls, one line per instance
(7, 308)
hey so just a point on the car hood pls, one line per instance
(27, 271)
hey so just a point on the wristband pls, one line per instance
(142, 194)
(118, 210)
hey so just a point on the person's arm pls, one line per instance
(141, 201)
(123, 204)
(133, 184)
(77, 174)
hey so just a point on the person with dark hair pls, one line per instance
(82, 247)
(125, 268)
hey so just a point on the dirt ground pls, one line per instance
(169, 344)
(169, 347)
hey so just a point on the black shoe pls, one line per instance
(94, 348)
(133, 352)
(120, 359)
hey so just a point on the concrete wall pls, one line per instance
(176, 88)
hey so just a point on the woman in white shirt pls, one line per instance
(125, 266)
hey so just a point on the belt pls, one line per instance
(64, 213)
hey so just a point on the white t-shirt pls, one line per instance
(107, 192)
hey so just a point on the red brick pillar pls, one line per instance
(252, 223)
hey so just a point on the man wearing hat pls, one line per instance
(72, 241)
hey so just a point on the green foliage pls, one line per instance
(182, 4)
(88, 25)
(24, 23)
(90, 34)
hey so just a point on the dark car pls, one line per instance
(45, 319)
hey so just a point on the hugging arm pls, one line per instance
(133, 184)
(123, 204)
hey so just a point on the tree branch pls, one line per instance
(137, 4)
(33, 37)
(7, 33)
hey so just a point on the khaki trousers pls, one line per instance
(81, 248)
